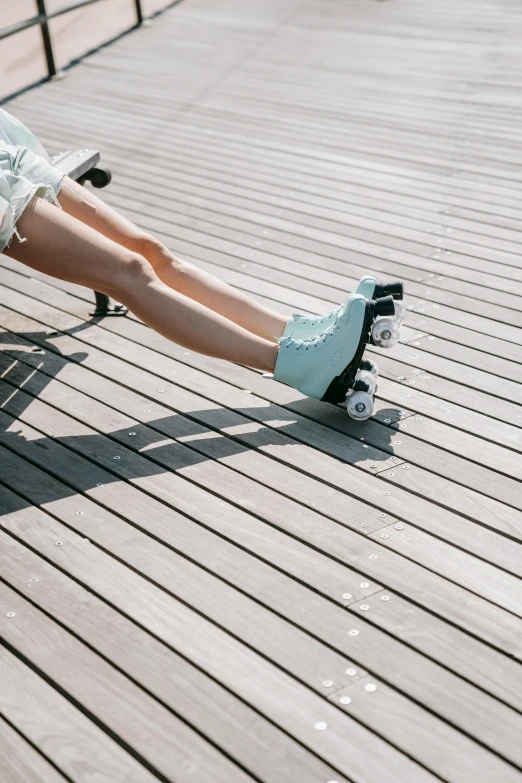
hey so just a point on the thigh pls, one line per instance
(61, 246)
(91, 210)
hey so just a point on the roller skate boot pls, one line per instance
(305, 327)
(328, 367)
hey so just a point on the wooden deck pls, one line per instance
(207, 577)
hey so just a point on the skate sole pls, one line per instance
(343, 383)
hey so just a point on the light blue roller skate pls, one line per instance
(385, 331)
(328, 366)
(305, 327)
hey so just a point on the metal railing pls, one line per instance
(43, 17)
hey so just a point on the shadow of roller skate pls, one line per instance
(326, 428)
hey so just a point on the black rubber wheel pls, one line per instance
(99, 176)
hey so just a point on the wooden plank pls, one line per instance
(445, 643)
(47, 638)
(375, 650)
(467, 502)
(429, 430)
(447, 412)
(72, 742)
(329, 160)
(499, 282)
(369, 697)
(316, 435)
(384, 226)
(160, 739)
(158, 221)
(219, 121)
(503, 548)
(222, 208)
(254, 109)
(437, 371)
(381, 188)
(480, 508)
(216, 211)
(434, 171)
(355, 195)
(262, 629)
(337, 154)
(340, 543)
(228, 722)
(307, 186)
(325, 575)
(283, 699)
(495, 363)
(266, 389)
(20, 762)
(466, 318)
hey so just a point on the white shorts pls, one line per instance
(25, 171)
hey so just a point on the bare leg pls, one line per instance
(176, 273)
(64, 247)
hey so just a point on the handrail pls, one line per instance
(42, 18)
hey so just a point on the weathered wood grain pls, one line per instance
(252, 676)
(213, 710)
(488, 668)
(455, 699)
(76, 745)
(20, 762)
(161, 739)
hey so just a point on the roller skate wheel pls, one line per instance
(369, 378)
(359, 405)
(399, 311)
(385, 332)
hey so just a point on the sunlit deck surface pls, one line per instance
(208, 577)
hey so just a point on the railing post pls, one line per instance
(46, 38)
(139, 12)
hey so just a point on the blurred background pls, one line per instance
(73, 29)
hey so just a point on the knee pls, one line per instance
(133, 272)
(159, 256)
(149, 247)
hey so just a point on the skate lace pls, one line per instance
(313, 320)
(313, 342)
